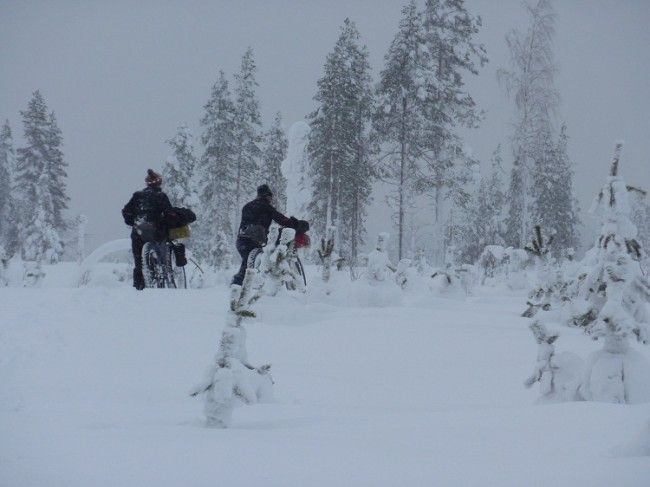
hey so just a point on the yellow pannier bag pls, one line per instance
(179, 232)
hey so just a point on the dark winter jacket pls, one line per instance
(256, 218)
(149, 205)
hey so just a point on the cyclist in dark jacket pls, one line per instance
(149, 205)
(256, 218)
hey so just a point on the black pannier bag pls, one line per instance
(179, 217)
(179, 255)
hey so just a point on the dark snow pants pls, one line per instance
(244, 247)
(136, 247)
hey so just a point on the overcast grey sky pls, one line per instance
(122, 75)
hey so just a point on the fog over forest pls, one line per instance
(122, 76)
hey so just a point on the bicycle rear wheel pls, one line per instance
(176, 274)
(152, 267)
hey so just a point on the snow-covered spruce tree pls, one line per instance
(232, 379)
(558, 374)
(217, 171)
(40, 184)
(450, 53)
(399, 115)
(379, 264)
(530, 82)
(41, 243)
(339, 144)
(641, 219)
(555, 203)
(486, 213)
(247, 132)
(616, 300)
(278, 266)
(56, 173)
(274, 152)
(8, 204)
(546, 276)
(180, 170)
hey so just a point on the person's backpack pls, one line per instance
(255, 233)
(146, 230)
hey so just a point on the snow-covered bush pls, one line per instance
(422, 264)
(406, 275)
(379, 265)
(559, 375)
(232, 380)
(497, 264)
(613, 304)
(489, 263)
(325, 254)
(454, 279)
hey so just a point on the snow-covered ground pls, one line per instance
(370, 391)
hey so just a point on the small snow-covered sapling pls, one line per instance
(232, 379)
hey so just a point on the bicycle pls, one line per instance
(161, 266)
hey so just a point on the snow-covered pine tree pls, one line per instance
(641, 219)
(273, 153)
(616, 297)
(530, 82)
(555, 205)
(398, 118)
(232, 379)
(247, 132)
(217, 172)
(41, 243)
(40, 183)
(180, 170)
(8, 204)
(450, 53)
(484, 225)
(56, 173)
(339, 146)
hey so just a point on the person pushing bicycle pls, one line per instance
(146, 212)
(256, 218)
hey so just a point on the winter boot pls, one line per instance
(138, 279)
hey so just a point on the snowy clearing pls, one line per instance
(423, 392)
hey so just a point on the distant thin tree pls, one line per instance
(399, 116)
(530, 83)
(450, 54)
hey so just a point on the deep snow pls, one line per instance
(409, 391)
